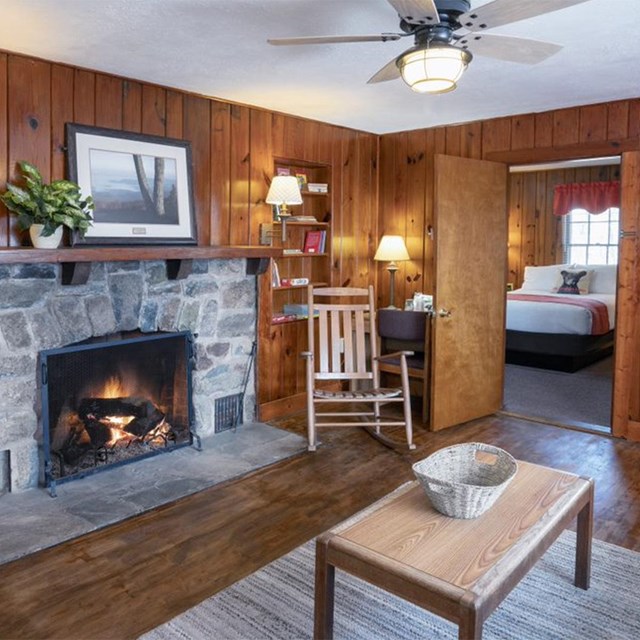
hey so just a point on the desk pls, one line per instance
(458, 569)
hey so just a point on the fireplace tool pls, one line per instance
(229, 410)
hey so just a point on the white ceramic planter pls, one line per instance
(44, 242)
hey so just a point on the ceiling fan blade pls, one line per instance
(383, 37)
(500, 12)
(509, 48)
(416, 11)
(390, 71)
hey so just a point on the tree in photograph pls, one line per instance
(153, 199)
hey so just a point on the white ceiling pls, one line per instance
(219, 48)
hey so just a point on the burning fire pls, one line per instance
(113, 388)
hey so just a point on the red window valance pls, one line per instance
(595, 197)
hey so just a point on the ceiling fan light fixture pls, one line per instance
(433, 69)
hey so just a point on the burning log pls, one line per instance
(99, 433)
(138, 416)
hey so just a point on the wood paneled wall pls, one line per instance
(233, 150)
(535, 234)
(406, 202)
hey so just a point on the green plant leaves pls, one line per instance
(55, 204)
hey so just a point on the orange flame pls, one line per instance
(113, 388)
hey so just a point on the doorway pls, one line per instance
(534, 387)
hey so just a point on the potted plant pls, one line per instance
(45, 209)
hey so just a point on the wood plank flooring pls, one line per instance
(127, 579)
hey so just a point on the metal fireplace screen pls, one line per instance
(114, 400)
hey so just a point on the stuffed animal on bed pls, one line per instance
(571, 282)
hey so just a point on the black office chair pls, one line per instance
(407, 331)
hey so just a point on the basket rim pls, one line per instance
(452, 483)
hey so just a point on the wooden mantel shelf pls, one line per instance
(76, 262)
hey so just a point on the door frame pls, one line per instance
(626, 337)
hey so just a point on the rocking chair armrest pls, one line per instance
(395, 354)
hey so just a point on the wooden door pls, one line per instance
(467, 358)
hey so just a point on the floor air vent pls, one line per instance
(228, 412)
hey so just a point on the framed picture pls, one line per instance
(141, 186)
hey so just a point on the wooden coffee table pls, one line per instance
(458, 569)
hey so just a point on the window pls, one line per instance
(590, 238)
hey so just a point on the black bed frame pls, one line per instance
(557, 351)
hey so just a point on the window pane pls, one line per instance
(599, 233)
(579, 233)
(579, 215)
(592, 238)
(578, 255)
(597, 255)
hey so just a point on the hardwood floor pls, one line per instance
(127, 579)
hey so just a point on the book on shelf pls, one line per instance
(291, 251)
(318, 187)
(283, 171)
(302, 180)
(293, 282)
(283, 317)
(302, 219)
(275, 275)
(314, 241)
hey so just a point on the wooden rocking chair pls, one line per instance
(347, 355)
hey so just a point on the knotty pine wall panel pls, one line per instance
(132, 106)
(84, 97)
(108, 102)
(240, 229)
(62, 81)
(37, 99)
(154, 110)
(29, 120)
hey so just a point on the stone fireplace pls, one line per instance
(113, 400)
(215, 303)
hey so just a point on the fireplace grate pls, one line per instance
(228, 412)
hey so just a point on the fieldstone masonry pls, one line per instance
(217, 303)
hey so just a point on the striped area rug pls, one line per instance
(276, 603)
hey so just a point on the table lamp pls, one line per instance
(390, 249)
(284, 190)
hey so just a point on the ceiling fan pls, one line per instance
(447, 33)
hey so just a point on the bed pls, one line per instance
(563, 316)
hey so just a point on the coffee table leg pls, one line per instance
(470, 622)
(325, 580)
(583, 543)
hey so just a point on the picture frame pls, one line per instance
(141, 186)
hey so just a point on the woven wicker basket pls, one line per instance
(464, 480)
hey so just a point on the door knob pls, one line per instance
(444, 313)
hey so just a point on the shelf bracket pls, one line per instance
(257, 266)
(75, 273)
(179, 269)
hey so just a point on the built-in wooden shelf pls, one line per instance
(76, 261)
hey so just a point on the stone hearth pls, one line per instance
(216, 302)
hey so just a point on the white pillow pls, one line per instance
(574, 280)
(542, 278)
(603, 278)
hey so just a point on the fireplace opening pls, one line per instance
(114, 400)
